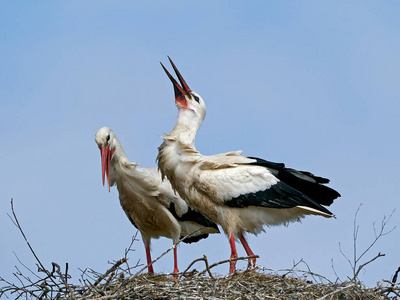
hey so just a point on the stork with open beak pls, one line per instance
(149, 202)
(240, 193)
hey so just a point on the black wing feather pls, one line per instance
(193, 216)
(303, 181)
(295, 188)
(279, 195)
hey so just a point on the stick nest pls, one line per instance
(122, 281)
(118, 282)
(242, 285)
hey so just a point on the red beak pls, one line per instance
(180, 92)
(105, 164)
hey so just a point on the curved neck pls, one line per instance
(186, 127)
(119, 155)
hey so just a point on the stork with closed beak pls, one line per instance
(148, 201)
(240, 193)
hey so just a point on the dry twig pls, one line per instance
(355, 262)
(119, 283)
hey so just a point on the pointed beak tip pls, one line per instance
(184, 85)
(180, 90)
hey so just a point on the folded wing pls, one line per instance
(264, 184)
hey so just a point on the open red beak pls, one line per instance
(180, 91)
(105, 164)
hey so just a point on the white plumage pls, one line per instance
(148, 201)
(240, 193)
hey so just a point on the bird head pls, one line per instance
(106, 140)
(186, 100)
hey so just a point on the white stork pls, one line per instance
(149, 202)
(240, 193)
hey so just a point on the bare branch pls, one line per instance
(394, 279)
(366, 263)
(355, 264)
(204, 258)
(26, 240)
(334, 271)
(129, 249)
(112, 269)
(377, 236)
(33, 273)
(173, 246)
(56, 267)
(228, 261)
(345, 256)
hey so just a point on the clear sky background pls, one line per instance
(313, 84)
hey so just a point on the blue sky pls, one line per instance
(312, 84)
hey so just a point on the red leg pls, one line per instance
(176, 271)
(233, 253)
(252, 261)
(148, 256)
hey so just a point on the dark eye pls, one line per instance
(108, 138)
(196, 98)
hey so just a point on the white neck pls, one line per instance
(121, 166)
(186, 127)
(119, 155)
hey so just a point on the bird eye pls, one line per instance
(195, 98)
(108, 138)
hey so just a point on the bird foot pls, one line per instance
(175, 274)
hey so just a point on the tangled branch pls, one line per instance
(120, 281)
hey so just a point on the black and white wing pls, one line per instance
(265, 184)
